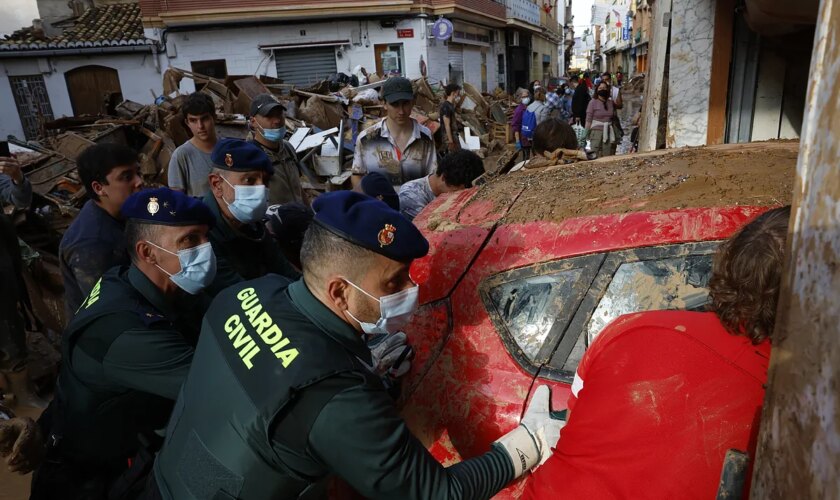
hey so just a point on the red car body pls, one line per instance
(475, 369)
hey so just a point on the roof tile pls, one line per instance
(106, 26)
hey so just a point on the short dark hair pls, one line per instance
(460, 168)
(136, 232)
(451, 88)
(747, 276)
(324, 251)
(554, 134)
(575, 79)
(197, 104)
(97, 161)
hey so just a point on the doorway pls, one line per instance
(93, 89)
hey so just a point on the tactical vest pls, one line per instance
(101, 422)
(218, 442)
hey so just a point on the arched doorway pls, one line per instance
(93, 89)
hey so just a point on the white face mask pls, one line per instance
(198, 267)
(249, 202)
(394, 310)
(526, 100)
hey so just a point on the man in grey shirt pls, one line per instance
(190, 164)
(456, 171)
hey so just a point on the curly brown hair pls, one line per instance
(747, 275)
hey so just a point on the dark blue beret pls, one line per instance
(371, 224)
(376, 185)
(166, 207)
(237, 155)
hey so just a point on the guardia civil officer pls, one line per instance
(290, 364)
(127, 351)
(238, 199)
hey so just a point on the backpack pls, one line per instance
(529, 124)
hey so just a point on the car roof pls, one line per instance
(727, 183)
(756, 174)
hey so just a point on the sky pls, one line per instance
(15, 14)
(582, 12)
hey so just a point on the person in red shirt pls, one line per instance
(660, 396)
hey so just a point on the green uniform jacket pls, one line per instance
(279, 396)
(245, 253)
(124, 357)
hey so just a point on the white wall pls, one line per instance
(137, 74)
(240, 46)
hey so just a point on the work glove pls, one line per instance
(21, 444)
(529, 445)
(391, 354)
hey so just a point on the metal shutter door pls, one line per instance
(305, 66)
(456, 63)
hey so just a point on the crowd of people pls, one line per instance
(264, 334)
(581, 102)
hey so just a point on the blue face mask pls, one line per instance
(273, 134)
(249, 202)
(198, 267)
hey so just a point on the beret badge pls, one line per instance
(386, 235)
(153, 207)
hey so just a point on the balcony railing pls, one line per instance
(523, 10)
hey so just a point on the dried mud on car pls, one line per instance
(755, 174)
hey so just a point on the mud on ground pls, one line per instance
(757, 174)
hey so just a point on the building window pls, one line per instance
(389, 59)
(216, 68)
(33, 103)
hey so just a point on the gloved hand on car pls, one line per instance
(530, 444)
(391, 354)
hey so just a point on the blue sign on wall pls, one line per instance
(627, 32)
(443, 29)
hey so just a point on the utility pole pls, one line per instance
(798, 452)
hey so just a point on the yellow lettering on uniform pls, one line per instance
(263, 322)
(283, 343)
(250, 354)
(252, 313)
(232, 323)
(94, 294)
(249, 302)
(241, 337)
(239, 330)
(245, 293)
(272, 335)
(247, 348)
(287, 356)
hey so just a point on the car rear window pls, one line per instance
(648, 285)
(528, 307)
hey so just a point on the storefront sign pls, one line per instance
(406, 33)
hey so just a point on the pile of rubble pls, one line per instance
(323, 122)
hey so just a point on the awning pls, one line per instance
(300, 45)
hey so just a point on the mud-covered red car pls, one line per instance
(526, 270)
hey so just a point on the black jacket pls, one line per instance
(580, 101)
